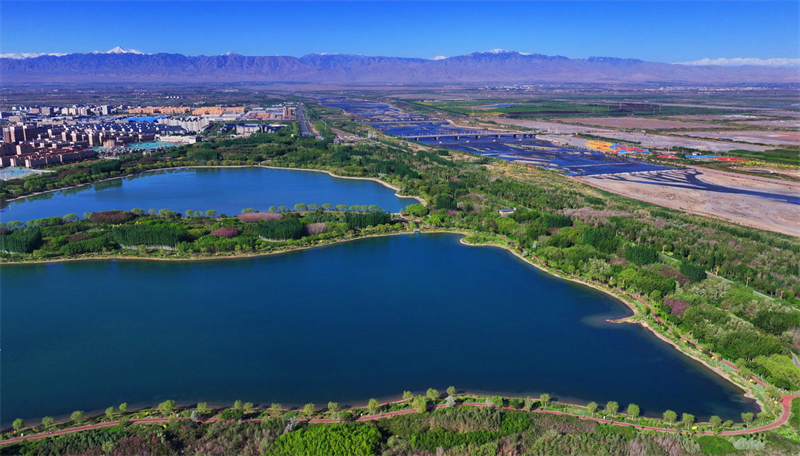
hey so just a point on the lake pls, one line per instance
(226, 190)
(346, 322)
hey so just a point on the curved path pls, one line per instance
(786, 403)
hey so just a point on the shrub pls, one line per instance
(290, 228)
(112, 217)
(640, 254)
(676, 306)
(694, 272)
(338, 439)
(226, 232)
(24, 240)
(711, 444)
(258, 216)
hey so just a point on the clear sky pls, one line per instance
(674, 31)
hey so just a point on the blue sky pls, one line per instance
(675, 31)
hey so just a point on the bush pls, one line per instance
(258, 216)
(226, 232)
(97, 244)
(24, 240)
(333, 439)
(694, 272)
(112, 217)
(149, 235)
(289, 228)
(640, 254)
(556, 221)
(711, 444)
(365, 220)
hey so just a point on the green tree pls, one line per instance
(408, 395)
(247, 407)
(432, 394)
(528, 403)
(592, 407)
(374, 208)
(202, 408)
(313, 207)
(48, 422)
(248, 209)
(110, 412)
(451, 390)
(416, 210)
(327, 206)
(363, 208)
(237, 404)
(138, 211)
(341, 207)
(211, 213)
(333, 406)
(687, 419)
(747, 418)
(670, 416)
(123, 407)
(308, 409)
(276, 407)
(282, 208)
(715, 421)
(167, 407)
(18, 424)
(70, 217)
(612, 407)
(544, 399)
(497, 401)
(633, 411)
(420, 403)
(189, 212)
(373, 406)
(273, 209)
(77, 416)
(355, 208)
(300, 207)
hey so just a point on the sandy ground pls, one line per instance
(639, 123)
(773, 123)
(654, 142)
(759, 137)
(778, 209)
(552, 126)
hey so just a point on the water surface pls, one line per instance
(344, 323)
(226, 190)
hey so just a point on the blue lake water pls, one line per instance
(343, 323)
(226, 190)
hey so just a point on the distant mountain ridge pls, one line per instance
(496, 66)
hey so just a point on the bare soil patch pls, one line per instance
(639, 123)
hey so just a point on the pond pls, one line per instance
(346, 322)
(226, 190)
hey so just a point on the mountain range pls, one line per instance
(491, 67)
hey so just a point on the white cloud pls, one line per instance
(740, 61)
(439, 57)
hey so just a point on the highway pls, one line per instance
(305, 125)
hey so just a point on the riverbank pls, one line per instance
(174, 168)
(747, 393)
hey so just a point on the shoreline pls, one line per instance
(374, 179)
(631, 306)
(623, 320)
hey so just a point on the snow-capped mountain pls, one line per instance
(494, 66)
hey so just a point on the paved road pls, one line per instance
(305, 126)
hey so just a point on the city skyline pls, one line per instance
(652, 31)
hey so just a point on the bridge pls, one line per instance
(468, 135)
